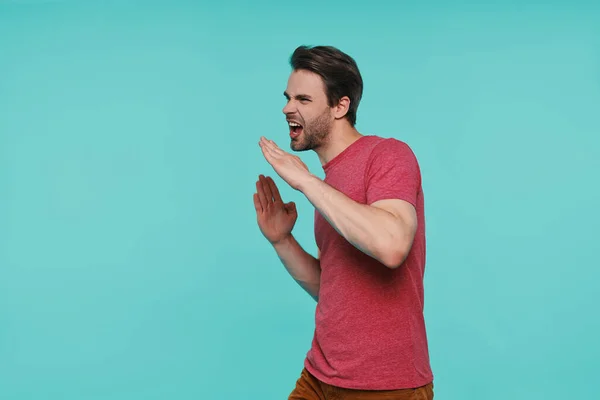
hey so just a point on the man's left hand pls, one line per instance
(289, 167)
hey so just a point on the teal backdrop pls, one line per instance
(131, 265)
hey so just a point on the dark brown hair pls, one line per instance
(338, 70)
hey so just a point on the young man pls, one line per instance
(369, 340)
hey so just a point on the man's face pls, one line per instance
(309, 117)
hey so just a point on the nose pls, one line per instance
(289, 108)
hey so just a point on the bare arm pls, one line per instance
(383, 230)
(303, 267)
(276, 221)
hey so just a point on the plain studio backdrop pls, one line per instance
(131, 265)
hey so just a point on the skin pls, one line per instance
(383, 230)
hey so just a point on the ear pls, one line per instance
(341, 109)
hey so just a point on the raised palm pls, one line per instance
(275, 218)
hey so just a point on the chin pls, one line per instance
(297, 145)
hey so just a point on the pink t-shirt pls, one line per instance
(369, 325)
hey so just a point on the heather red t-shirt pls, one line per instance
(369, 325)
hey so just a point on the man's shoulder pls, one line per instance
(388, 147)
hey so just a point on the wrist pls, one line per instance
(308, 183)
(284, 242)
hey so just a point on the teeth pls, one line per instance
(293, 124)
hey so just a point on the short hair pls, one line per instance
(338, 70)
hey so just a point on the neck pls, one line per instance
(338, 140)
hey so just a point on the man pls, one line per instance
(370, 340)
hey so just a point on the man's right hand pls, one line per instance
(275, 219)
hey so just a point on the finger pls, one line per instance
(270, 146)
(257, 205)
(274, 190)
(291, 206)
(261, 195)
(267, 153)
(266, 189)
(273, 146)
(277, 151)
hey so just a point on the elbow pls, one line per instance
(394, 260)
(395, 247)
(394, 256)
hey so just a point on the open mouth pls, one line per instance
(295, 129)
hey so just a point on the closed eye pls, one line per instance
(300, 97)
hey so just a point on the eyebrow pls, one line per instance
(298, 96)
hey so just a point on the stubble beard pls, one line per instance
(314, 133)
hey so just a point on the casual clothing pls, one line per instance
(369, 324)
(310, 388)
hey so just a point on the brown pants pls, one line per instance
(310, 388)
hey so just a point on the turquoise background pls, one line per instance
(131, 266)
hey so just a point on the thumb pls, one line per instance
(291, 206)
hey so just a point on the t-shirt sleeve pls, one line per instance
(392, 173)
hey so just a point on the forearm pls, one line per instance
(371, 230)
(303, 267)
